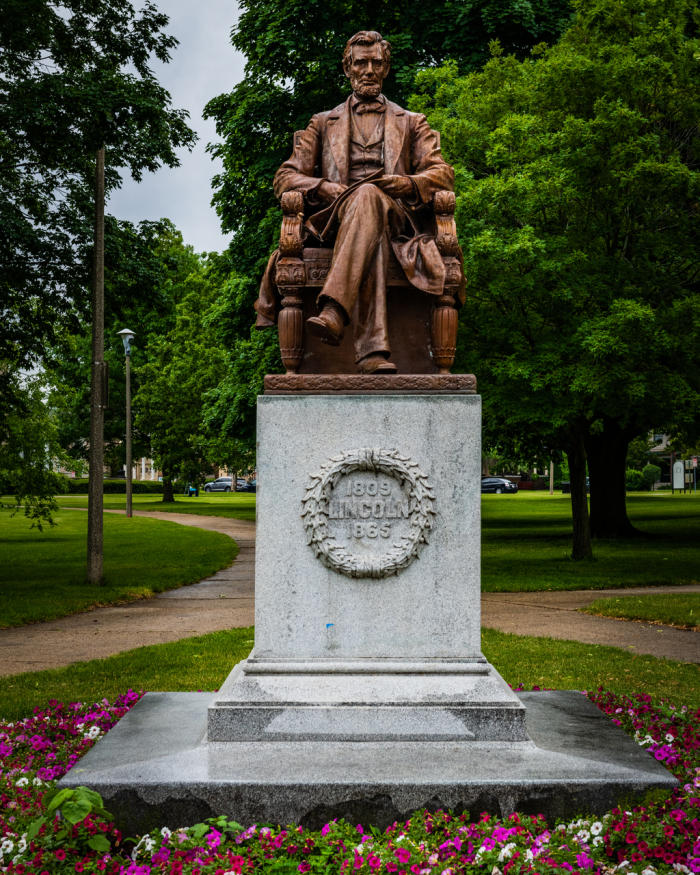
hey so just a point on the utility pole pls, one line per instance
(98, 384)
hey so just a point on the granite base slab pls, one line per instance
(365, 700)
(156, 768)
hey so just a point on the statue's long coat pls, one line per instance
(411, 148)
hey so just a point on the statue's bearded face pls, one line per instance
(367, 70)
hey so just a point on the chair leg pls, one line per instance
(290, 326)
(290, 278)
(444, 333)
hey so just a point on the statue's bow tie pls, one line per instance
(369, 106)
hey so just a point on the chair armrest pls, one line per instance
(445, 227)
(292, 232)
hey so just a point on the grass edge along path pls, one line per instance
(42, 576)
(232, 505)
(204, 661)
(681, 610)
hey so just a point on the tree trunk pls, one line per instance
(168, 489)
(607, 463)
(576, 454)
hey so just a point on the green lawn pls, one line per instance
(203, 662)
(527, 540)
(42, 574)
(235, 505)
(675, 609)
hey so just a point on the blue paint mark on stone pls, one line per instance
(328, 625)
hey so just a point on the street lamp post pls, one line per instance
(127, 337)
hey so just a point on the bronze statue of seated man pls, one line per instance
(368, 171)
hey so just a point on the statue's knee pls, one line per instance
(368, 192)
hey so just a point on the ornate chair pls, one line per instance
(426, 324)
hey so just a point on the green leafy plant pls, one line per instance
(73, 806)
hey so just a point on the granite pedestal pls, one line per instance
(367, 595)
(366, 695)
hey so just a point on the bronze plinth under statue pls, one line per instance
(369, 229)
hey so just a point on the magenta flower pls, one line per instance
(403, 855)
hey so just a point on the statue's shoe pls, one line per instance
(328, 325)
(376, 364)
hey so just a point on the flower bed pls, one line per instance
(662, 836)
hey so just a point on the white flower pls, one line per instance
(507, 852)
(598, 840)
(583, 835)
(166, 833)
(146, 842)
(37, 782)
(7, 846)
(79, 727)
(529, 856)
(22, 782)
(670, 739)
(650, 870)
(596, 828)
(92, 732)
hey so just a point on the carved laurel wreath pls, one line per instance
(315, 512)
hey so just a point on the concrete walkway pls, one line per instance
(222, 601)
(556, 615)
(226, 600)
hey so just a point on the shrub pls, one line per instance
(650, 475)
(633, 479)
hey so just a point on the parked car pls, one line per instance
(245, 485)
(221, 484)
(498, 485)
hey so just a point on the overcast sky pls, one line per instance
(202, 66)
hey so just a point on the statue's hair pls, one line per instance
(366, 38)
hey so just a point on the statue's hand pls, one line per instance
(329, 191)
(395, 186)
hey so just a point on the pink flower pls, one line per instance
(403, 855)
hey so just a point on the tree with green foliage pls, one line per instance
(74, 80)
(293, 69)
(182, 367)
(146, 266)
(578, 180)
(30, 453)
